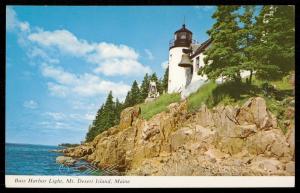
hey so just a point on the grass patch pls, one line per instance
(228, 93)
(280, 85)
(195, 100)
(160, 104)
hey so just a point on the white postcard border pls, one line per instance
(22, 181)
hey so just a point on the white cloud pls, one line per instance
(12, 21)
(64, 40)
(58, 74)
(24, 26)
(59, 116)
(122, 67)
(36, 52)
(84, 105)
(111, 59)
(105, 50)
(54, 125)
(84, 85)
(56, 115)
(31, 104)
(165, 64)
(149, 54)
(57, 89)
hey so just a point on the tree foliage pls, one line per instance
(145, 86)
(165, 79)
(262, 43)
(274, 51)
(107, 116)
(223, 56)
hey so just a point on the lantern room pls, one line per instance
(183, 38)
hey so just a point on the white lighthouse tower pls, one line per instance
(177, 75)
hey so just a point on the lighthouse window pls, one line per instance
(183, 36)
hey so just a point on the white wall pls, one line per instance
(197, 77)
(177, 76)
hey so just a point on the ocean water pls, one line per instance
(25, 159)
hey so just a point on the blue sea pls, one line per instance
(25, 159)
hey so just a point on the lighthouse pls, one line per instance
(178, 75)
(186, 57)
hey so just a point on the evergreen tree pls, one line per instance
(223, 57)
(165, 80)
(145, 86)
(96, 126)
(118, 109)
(128, 100)
(247, 39)
(90, 134)
(135, 94)
(106, 117)
(159, 86)
(109, 112)
(154, 77)
(274, 51)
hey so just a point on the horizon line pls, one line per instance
(30, 144)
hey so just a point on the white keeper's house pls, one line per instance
(185, 58)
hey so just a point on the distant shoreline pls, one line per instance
(11, 143)
(68, 145)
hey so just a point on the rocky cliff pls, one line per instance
(224, 140)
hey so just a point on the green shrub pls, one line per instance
(158, 105)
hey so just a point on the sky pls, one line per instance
(61, 62)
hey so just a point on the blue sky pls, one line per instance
(62, 61)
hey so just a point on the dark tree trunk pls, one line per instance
(250, 78)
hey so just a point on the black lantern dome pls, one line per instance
(183, 38)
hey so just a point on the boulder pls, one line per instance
(224, 120)
(244, 131)
(204, 117)
(80, 151)
(180, 137)
(128, 115)
(150, 130)
(231, 145)
(57, 150)
(68, 161)
(206, 134)
(270, 143)
(255, 111)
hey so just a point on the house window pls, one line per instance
(197, 63)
